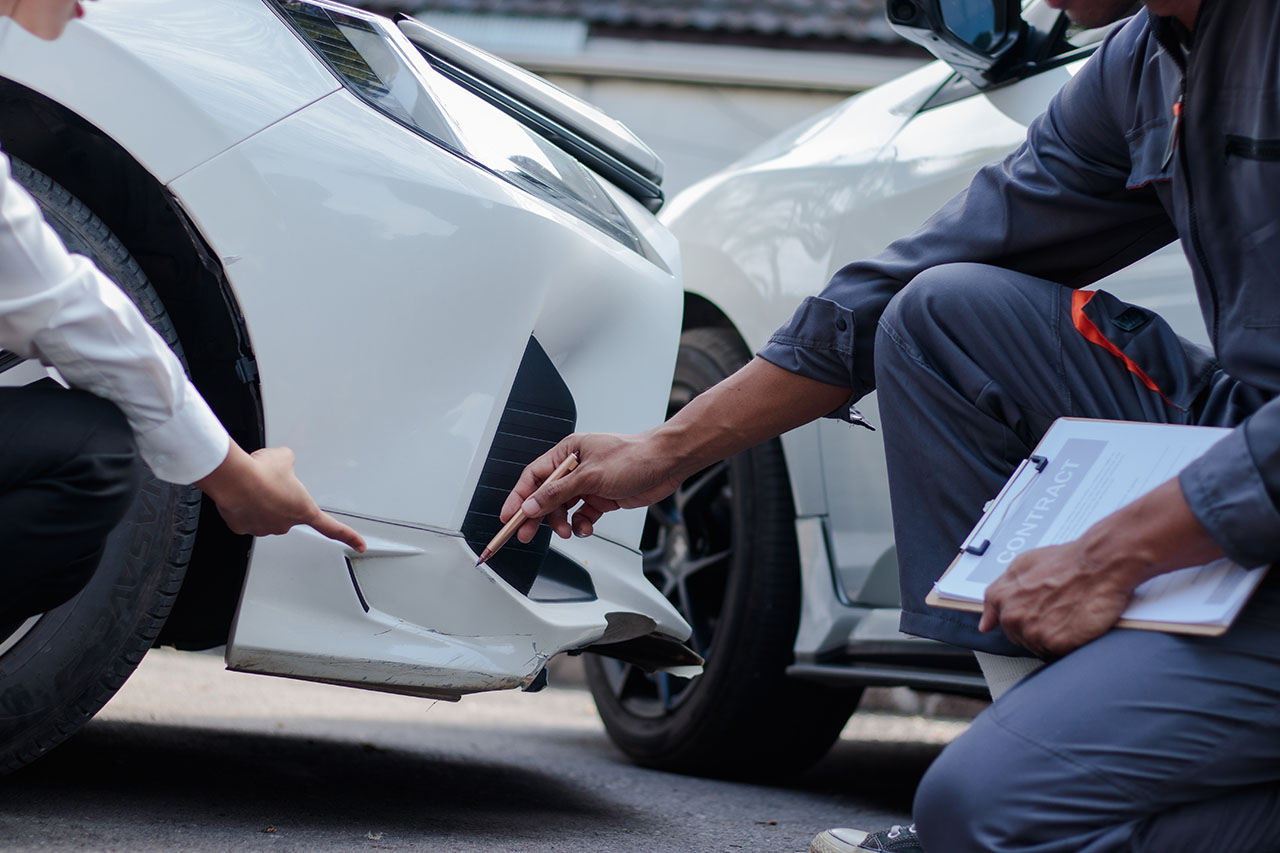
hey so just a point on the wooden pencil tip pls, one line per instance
(484, 557)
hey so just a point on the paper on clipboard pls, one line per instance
(1082, 471)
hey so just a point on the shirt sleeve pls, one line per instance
(58, 308)
(1234, 489)
(1058, 208)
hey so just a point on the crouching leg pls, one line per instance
(68, 473)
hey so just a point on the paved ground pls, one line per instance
(189, 757)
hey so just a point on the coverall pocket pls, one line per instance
(1252, 164)
(1252, 149)
(1149, 159)
(1146, 345)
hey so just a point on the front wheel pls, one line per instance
(723, 551)
(58, 668)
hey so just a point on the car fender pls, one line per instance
(757, 236)
(171, 109)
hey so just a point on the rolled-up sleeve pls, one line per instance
(1234, 489)
(817, 342)
(59, 308)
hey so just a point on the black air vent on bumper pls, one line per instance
(539, 412)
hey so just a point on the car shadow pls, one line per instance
(164, 786)
(879, 774)
(218, 781)
(882, 774)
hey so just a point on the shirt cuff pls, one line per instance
(188, 446)
(1226, 493)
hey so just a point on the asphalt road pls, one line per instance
(189, 757)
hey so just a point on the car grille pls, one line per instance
(539, 412)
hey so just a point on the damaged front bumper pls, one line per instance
(415, 615)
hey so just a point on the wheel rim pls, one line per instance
(688, 551)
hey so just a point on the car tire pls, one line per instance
(59, 668)
(723, 550)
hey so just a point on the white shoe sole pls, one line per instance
(837, 841)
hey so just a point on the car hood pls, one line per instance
(852, 133)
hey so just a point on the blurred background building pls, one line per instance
(701, 81)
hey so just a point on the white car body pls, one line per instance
(389, 290)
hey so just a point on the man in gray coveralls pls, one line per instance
(977, 336)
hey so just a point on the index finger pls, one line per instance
(990, 615)
(327, 525)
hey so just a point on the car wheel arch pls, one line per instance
(194, 290)
(701, 313)
(800, 447)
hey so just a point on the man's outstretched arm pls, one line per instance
(757, 403)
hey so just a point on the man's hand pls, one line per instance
(758, 402)
(1053, 600)
(259, 495)
(614, 472)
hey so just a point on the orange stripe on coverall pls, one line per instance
(1094, 335)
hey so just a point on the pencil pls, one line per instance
(570, 462)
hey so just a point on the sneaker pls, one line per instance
(899, 839)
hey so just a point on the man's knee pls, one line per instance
(959, 298)
(76, 478)
(103, 472)
(951, 802)
(73, 468)
(68, 474)
(964, 322)
(994, 790)
(988, 792)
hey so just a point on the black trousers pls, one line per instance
(68, 473)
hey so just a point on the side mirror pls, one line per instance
(980, 39)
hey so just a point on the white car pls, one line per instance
(416, 266)
(783, 558)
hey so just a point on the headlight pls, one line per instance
(375, 61)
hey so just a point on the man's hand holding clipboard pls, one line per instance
(1085, 540)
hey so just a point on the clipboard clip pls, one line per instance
(977, 546)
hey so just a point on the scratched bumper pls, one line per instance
(415, 615)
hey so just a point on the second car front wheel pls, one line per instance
(723, 550)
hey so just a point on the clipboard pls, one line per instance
(1194, 628)
(1104, 454)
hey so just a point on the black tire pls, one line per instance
(723, 550)
(59, 668)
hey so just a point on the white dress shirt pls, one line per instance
(59, 308)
